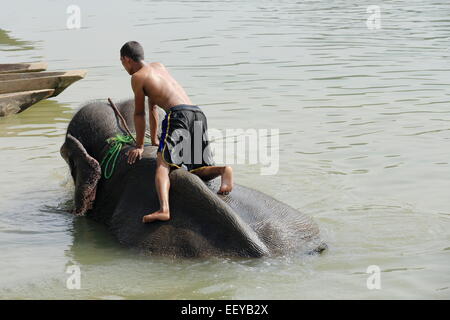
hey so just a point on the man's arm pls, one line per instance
(154, 117)
(139, 111)
(139, 120)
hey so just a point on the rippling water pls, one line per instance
(364, 124)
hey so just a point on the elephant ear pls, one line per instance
(86, 173)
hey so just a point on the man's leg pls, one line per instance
(208, 173)
(162, 183)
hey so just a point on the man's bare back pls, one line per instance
(154, 81)
(159, 86)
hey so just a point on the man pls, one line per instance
(183, 120)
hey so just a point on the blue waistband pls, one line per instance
(185, 107)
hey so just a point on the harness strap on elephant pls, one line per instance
(116, 143)
(108, 163)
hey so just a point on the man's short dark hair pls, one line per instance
(132, 50)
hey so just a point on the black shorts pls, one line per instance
(184, 138)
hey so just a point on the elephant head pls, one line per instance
(85, 171)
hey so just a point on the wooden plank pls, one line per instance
(11, 103)
(22, 67)
(32, 75)
(38, 81)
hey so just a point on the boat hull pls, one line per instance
(11, 103)
(22, 67)
(18, 91)
(18, 82)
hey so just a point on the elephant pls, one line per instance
(244, 223)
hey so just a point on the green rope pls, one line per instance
(109, 160)
(116, 143)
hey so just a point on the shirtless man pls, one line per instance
(154, 81)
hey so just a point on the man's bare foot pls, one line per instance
(158, 215)
(227, 181)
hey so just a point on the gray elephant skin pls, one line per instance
(245, 223)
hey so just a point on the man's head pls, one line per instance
(131, 56)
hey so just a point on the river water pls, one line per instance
(364, 122)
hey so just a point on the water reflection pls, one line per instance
(93, 243)
(45, 118)
(8, 43)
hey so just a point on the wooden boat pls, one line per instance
(16, 102)
(17, 82)
(18, 91)
(22, 67)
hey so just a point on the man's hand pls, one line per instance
(135, 153)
